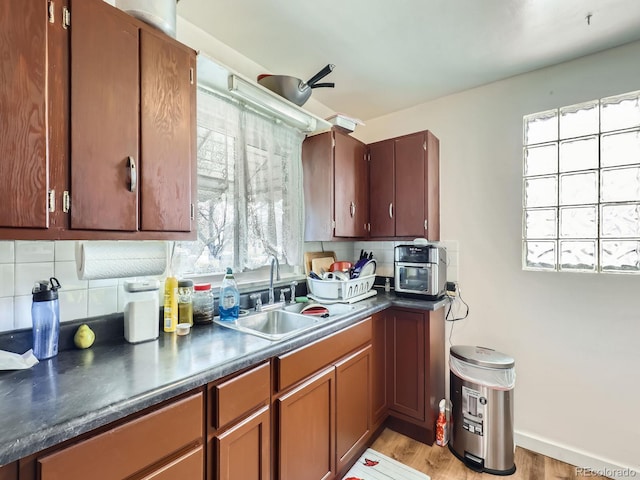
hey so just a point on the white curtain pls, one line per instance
(250, 193)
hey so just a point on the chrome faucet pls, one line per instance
(274, 261)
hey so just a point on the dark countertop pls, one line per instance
(80, 390)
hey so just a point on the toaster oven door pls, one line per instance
(414, 278)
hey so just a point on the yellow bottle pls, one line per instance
(170, 304)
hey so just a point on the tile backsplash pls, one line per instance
(22, 263)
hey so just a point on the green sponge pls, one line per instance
(302, 299)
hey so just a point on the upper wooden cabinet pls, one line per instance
(335, 186)
(132, 94)
(24, 89)
(404, 189)
(102, 144)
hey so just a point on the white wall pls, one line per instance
(575, 337)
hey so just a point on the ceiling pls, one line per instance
(392, 55)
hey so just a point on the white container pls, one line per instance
(157, 13)
(141, 311)
(344, 122)
(340, 290)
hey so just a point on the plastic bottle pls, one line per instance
(45, 314)
(229, 298)
(442, 430)
(170, 304)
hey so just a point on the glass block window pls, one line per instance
(581, 187)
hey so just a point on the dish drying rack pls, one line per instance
(337, 291)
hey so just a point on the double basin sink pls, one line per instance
(287, 321)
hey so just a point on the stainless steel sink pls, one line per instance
(287, 321)
(272, 325)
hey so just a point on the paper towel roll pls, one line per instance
(97, 260)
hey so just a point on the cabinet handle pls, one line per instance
(391, 210)
(133, 174)
(352, 209)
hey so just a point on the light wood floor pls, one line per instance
(440, 464)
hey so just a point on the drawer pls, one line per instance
(131, 447)
(9, 472)
(240, 395)
(189, 465)
(299, 364)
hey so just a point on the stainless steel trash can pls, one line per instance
(481, 391)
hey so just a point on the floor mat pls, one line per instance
(376, 466)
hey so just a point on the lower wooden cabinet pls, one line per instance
(306, 434)
(323, 411)
(415, 342)
(9, 472)
(380, 358)
(239, 426)
(243, 451)
(162, 444)
(305, 414)
(353, 406)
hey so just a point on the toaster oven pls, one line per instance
(420, 271)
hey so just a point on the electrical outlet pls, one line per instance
(451, 288)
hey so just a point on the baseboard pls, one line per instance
(583, 460)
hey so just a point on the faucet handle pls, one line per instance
(282, 292)
(258, 298)
(293, 291)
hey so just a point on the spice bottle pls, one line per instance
(185, 301)
(202, 304)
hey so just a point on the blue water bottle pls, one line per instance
(45, 314)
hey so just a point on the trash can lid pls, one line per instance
(482, 356)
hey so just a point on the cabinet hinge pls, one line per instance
(52, 17)
(333, 142)
(425, 224)
(66, 201)
(66, 18)
(191, 75)
(193, 212)
(52, 201)
(333, 224)
(424, 146)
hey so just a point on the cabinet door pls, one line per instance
(361, 195)
(307, 430)
(381, 189)
(407, 347)
(317, 168)
(243, 451)
(24, 178)
(380, 367)
(410, 185)
(167, 75)
(353, 405)
(9, 472)
(347, 172)
(104, 118)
